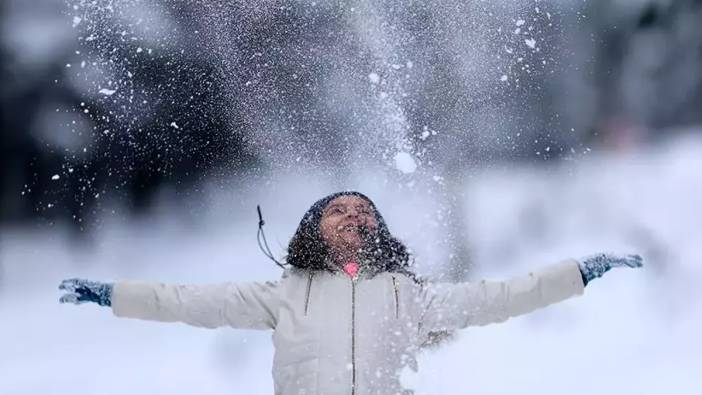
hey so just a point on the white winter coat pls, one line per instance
(334, 335)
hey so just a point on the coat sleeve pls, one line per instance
(240, 305)
(454, 306)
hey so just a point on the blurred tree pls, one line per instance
(640, 67)
(163, 122)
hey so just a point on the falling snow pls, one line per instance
(405, 163)
(107, 92)
(287, 96)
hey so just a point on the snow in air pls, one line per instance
(405, 163)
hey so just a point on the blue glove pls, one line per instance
(594, 266)
(81, 291)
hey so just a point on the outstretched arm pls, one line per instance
(240, 305)
(456, 306)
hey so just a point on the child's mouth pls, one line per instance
(350, 228)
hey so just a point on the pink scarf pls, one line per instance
(351, 268)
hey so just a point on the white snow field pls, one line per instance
(633, 332)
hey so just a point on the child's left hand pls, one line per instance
(594, 266)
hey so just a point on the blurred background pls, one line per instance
(137, 138)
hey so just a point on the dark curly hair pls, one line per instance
(307, 249)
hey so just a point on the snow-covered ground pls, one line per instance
(633, 332)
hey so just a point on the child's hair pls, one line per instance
(307, 249)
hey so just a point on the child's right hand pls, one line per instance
(81, 291)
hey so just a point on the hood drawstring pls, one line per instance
(262, 236)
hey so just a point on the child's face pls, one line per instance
(343, 222)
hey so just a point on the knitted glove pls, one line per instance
(81, 291)
(594, 266)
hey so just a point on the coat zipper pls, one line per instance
(309, 288)
(396, 288)
(353, 336)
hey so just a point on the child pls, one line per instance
(348, 314)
